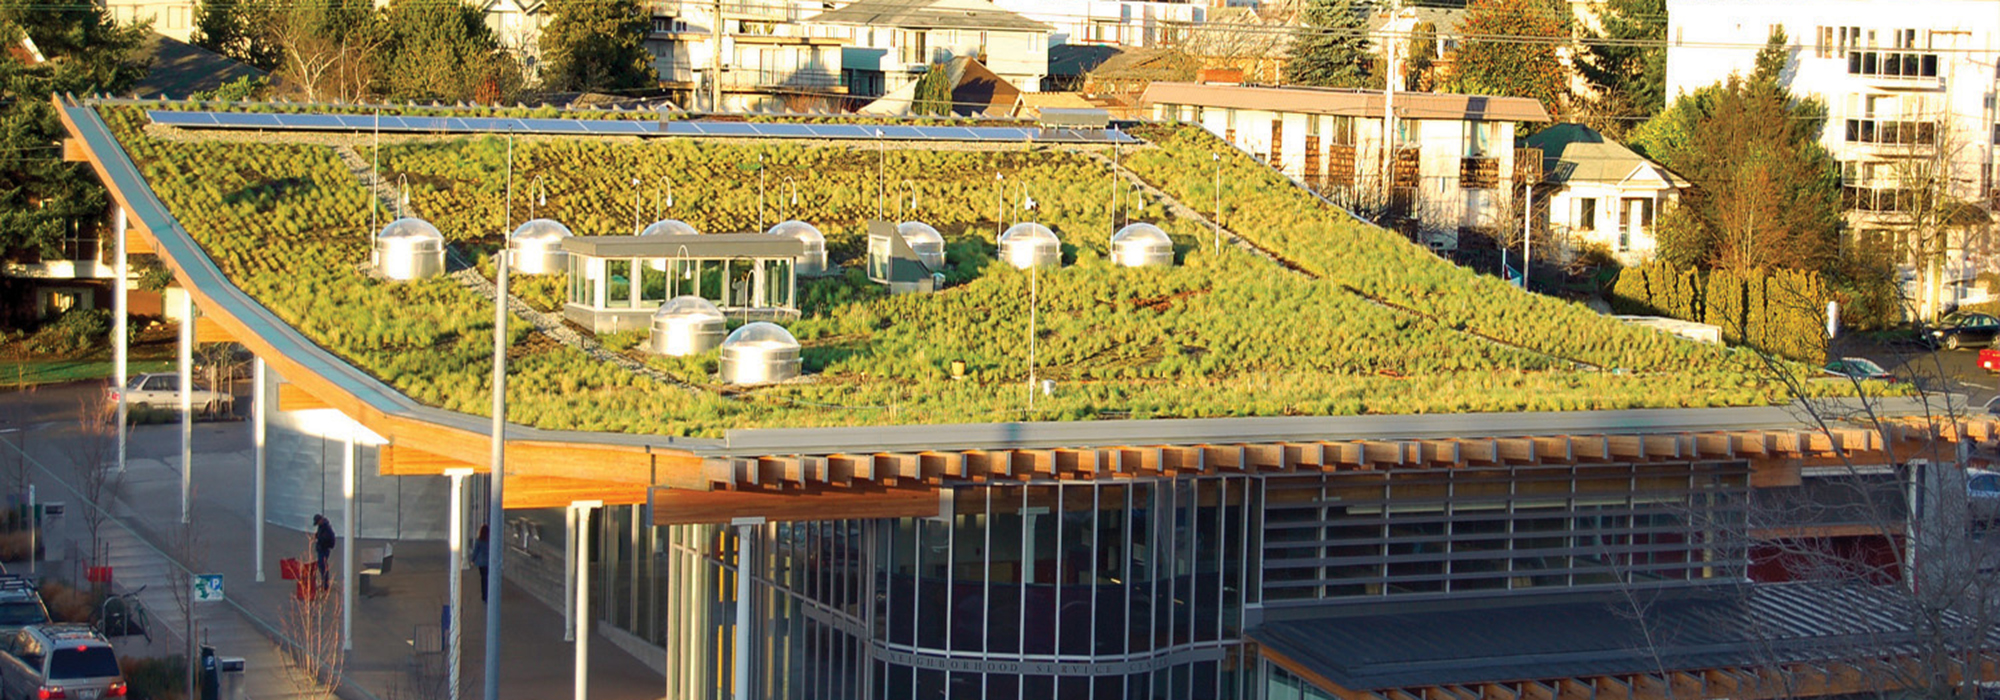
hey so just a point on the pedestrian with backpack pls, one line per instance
(323, 541)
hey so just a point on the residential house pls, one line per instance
(767, 60)
(1254, 39)
(173, 18)
(1600, 193)
(517, 26)
(894, 42)
(975, 92)
(1904, 89)
(1455, 164)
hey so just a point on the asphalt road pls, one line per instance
(1957, 371)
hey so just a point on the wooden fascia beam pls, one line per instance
(941, 466)
(1664, 446)
(1687, 685)
(1538, 690)
(1309, 455)
(206, 330)
(1779, 472)
(1631, 447)
(1377, 452)
(1651, 687)
(1519, 450)
(681, 507)
(1445, 452)
(1612, 688)
(1574, 689)
(1175, 459)
(138, 241)
(1496, 691)
(292, 397)
(1596, 448)
(1714, 445)
(842, 470)
(1218, 457)
(1754, 443)
(1717, 682)
(1265, 457)
(1555, 447)
(1479, 450)
(1347, 454)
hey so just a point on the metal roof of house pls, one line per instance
(1577, 153)
(1720, 626)
(1350, 102)
(930, 14)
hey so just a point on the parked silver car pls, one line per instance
(162, 390)
(62, 660)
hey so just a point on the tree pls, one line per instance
(597, 45)
(310, 624)
(1330, 48)
(236, 29)
(1625, 62)
(1515, 54)
(445, 51)
(1765, 193)
(1420, 57)
(329, 47)
(43, 199)
(94, 469)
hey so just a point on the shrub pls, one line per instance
(155, 677)
(75, 331)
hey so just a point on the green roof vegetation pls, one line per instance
(1365, 323)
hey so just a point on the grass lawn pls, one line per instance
(16, 374)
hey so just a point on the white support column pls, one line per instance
(348, 516)
(570, 550)
(187, 401)
(453, 591)
(120, 330)
(746, 552)
(259, 417)
(580, 512)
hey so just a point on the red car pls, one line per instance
(1989, 359)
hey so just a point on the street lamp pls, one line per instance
(881, 174)
(541, 196)
(760, 192)
(636, 199)
(793, 186)
(999, 206)
(1217, 158)
(910, 187)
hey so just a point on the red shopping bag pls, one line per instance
(288, 569)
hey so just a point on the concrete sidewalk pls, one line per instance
(536, 663)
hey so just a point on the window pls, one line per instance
(1407, 132)
(1586, 214)
(83, 662)
(1481, 138)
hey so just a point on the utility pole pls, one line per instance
(715, 61)
(1527, 231)
(1389, 113)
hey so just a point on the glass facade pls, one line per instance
(1132, 588)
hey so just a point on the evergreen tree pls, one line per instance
(1520, 61)
(237, 29)
(1765, 193)
(1626, 63)
(43, 198)
(1420, 56)
(445, 51)
(597, 45)
(1331, 49)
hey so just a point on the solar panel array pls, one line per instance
(624, 127)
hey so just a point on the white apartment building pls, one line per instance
(1903, 82)
(1119, 22)
(892, 43)
(1454, 157)
(172, 18)
(769, 58)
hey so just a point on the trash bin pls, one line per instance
(231, 685)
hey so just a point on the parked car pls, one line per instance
(162, 390)
(1964, 329)
(61, 660)
(1859, 368)
(20, 604)
(1982, 495)
(1989, 359)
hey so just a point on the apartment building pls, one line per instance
(1115, 22)
(768, 59)
(1909, 88)
(1454, 164)
(892, 43)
